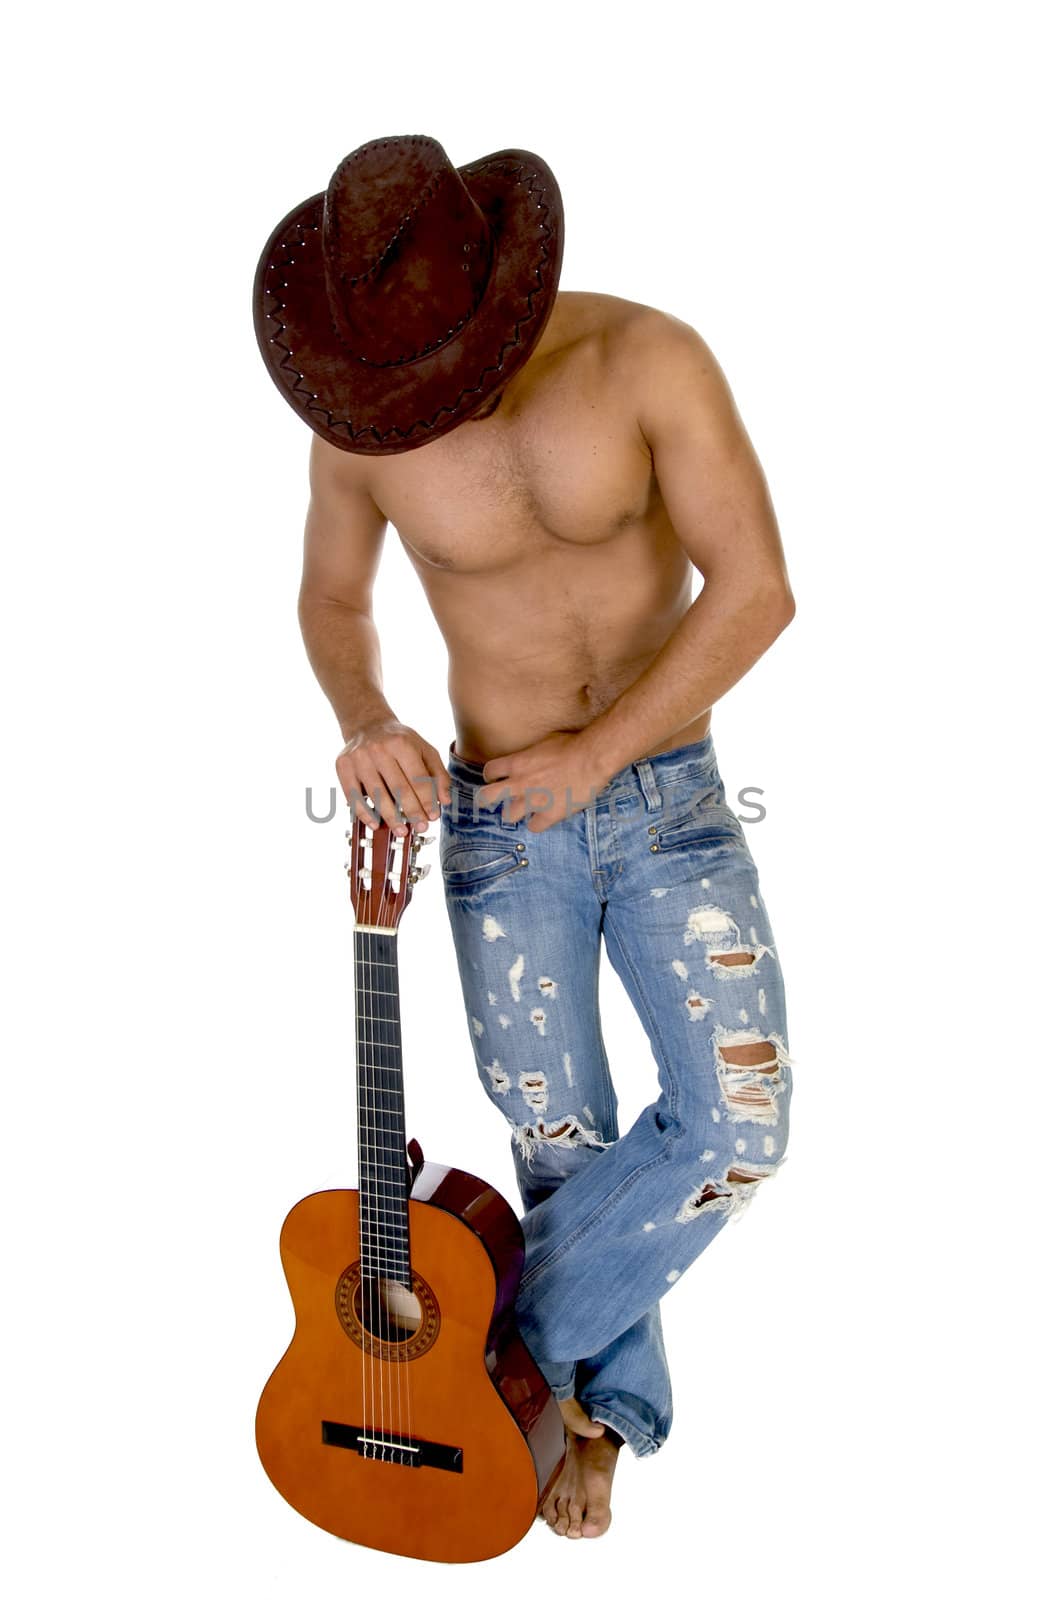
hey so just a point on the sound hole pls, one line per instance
(386, 1318)
(387, 1309)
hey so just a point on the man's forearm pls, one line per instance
(715, 644)
(344, 651)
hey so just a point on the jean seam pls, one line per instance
(601, 1210)
(650, 1022)
(646, 1166)
(628, 1430)
(604, 1064)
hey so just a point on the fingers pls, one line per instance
(399, 801)
(489, 795)
(358, 808)
(416, 782)
(401, 776)
(438, 769)
(498, 766)
(503, 782)
(354, 793)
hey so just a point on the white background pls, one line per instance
(858, 208)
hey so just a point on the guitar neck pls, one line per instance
(382, 1162)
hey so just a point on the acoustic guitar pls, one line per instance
(407, 1413)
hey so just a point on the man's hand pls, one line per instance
(398, 771)
(547, 781)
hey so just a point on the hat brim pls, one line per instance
(383, 410)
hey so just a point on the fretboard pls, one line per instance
(382, 1163)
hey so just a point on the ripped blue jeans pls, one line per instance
(659, 868)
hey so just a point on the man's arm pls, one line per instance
(342, 544)
(720, 509)
(719, 506)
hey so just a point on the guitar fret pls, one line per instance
(384, 1177)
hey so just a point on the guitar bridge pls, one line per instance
(376, 1444)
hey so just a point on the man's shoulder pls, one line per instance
(332, 467)
(631, 334)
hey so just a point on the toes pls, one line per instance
(596, 1523)
(561, 1521)
(577, 1508)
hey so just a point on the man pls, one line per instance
(554, 482)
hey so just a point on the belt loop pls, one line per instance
(648, 784)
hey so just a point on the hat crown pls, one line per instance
(407, 250)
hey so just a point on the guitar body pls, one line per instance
(434, 1435)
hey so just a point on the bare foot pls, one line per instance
(578, 1506)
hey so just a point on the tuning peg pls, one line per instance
(419, 873)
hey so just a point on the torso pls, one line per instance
(541, 540)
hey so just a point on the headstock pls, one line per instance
(382, 872)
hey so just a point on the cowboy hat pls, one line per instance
(393, 304)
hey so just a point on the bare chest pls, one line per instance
(494, 494)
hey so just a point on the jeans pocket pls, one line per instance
(708, 820)
(465, 866)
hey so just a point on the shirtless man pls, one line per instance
(556, 532)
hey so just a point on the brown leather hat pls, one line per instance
(393, 304)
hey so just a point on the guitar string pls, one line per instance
(403, 1365)
(406, 1423)
(381, 1149)
(356, 867)
(399, 843)
(374, 1058)
(404, 1203)
(379, 1199)
(369, 1204)
(381, 1081)
(378, 1219)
